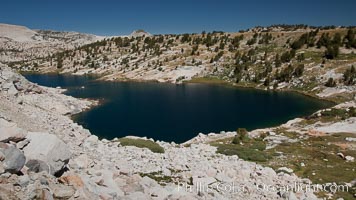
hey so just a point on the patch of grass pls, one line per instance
(307, 86)
(141, 143)
(314, 56)
(286, 132)
(291, 135)
(349, 56)
(319, 154)
(341, 97)
(213, 80)
(335, 113)
(251, 149)
(187, 145)
(332, 115)
(250, 153)
(322, 164)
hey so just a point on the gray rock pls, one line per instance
(62, 191)
(22, 144)
(104, 184)
(2, 170)
(91, 141)
(49, 149)
(136, 195)
(12, 91)
(23, 181)
(5, 175)
(44, 181)
(341, 155)
(350, 139)
(37, 166)
(3, 145)
(349, 158)
(10, 132)
(158, 192)
(2, 156)
(292, 196)
(45, 194)
(285, 169)
(7, 192)
(14, 159)
(20, 86)
(7, 86)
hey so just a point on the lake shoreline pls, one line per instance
(200, 80)
(224, 83)
(91, 153)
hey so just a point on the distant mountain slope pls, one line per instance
(23, 34)
(19, 43)
(140, 33)
(298, 57)
(17, 33)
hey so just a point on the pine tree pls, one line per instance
(332, 51)
(267, 81)
(350, 76)
(298, 71)
(350, 40)
(59, 62)
(277, 61)
(330, 83)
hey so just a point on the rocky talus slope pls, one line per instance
(45, 155)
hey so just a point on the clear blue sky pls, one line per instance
(110, 17)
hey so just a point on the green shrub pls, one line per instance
(251, 149)
(259, 145)
(333, 112)
(298, 71)
(350, 76)
(243, 134)
(244, 152)
(236, 140)
(159, 177)
(332, 52)
(141, 143)
(352, 112)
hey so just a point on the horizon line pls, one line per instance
(180, 33)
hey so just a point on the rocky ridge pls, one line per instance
(18, 43)
(298, 57)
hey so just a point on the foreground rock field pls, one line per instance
(45, 155)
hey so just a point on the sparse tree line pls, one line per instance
(349, 78)
(239, 52)
(155, 45)
(332, 44)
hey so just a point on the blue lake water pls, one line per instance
(177, 113)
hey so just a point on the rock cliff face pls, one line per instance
(44, 155)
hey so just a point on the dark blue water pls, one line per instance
(177, 113)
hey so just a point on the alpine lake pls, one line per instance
(177, 112)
